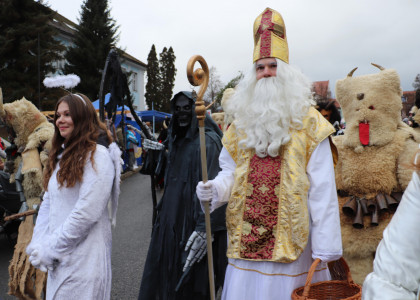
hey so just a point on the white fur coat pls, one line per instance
(74, 229)
(396, 268)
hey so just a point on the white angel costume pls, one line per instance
(396, 268)
(72, 235)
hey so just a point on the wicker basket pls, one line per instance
(331, 290)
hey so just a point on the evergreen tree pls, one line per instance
(231, 84)
(95, 35)
(28, 50)
(153, 88)
(167, 72)
(416, 85)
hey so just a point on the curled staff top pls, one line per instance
(199, 77)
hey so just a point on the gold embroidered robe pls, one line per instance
(267, 216)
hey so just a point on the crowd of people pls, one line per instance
(271, 192)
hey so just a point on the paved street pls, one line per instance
(131, 239)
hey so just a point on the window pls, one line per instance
(134, 81)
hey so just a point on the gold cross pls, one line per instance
(263, 189)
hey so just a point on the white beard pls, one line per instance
(266, 110)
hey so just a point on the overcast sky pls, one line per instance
(327, 38)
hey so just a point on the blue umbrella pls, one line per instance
(107, 96)
(147, 115)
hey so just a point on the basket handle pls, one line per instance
(312, 271)
(346, 267)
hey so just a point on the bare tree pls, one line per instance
(214, 87)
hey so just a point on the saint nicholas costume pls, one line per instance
(282, 211)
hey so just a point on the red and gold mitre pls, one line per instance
(270, 36)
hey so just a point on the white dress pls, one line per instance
(74, 224)
(251, 280)
(396, 268)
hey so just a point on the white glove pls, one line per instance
(207, 192)
(41, 257)
(29, 250)
(198, 248)
(149, 144)
(31, 247)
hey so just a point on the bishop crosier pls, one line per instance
(277, 177)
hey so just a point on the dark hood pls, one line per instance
(210, 126)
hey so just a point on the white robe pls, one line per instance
(76, 224)
(396, 268)
(251, 280)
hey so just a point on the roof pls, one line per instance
(67, 27)
(64, 25)
(132, 58)
(321, 88)
(410, 96)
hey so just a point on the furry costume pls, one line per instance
(218, 118)
(227, 94)
(33, 135)
(416, 115)
(373, 154)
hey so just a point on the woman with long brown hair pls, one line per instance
(72, 235)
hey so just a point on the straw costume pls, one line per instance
(33, 134)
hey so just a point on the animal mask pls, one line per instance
(219, 118)
(23, 116)
(371, 106)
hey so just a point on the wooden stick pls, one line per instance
(24, 214)
(200, 77)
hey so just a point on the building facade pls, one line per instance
(130, 65)
(408, 99)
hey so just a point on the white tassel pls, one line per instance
(66, 81)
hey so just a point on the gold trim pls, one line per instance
(279, 274)
(300, 148)
(281, 202)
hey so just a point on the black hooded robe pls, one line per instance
(179, 214)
